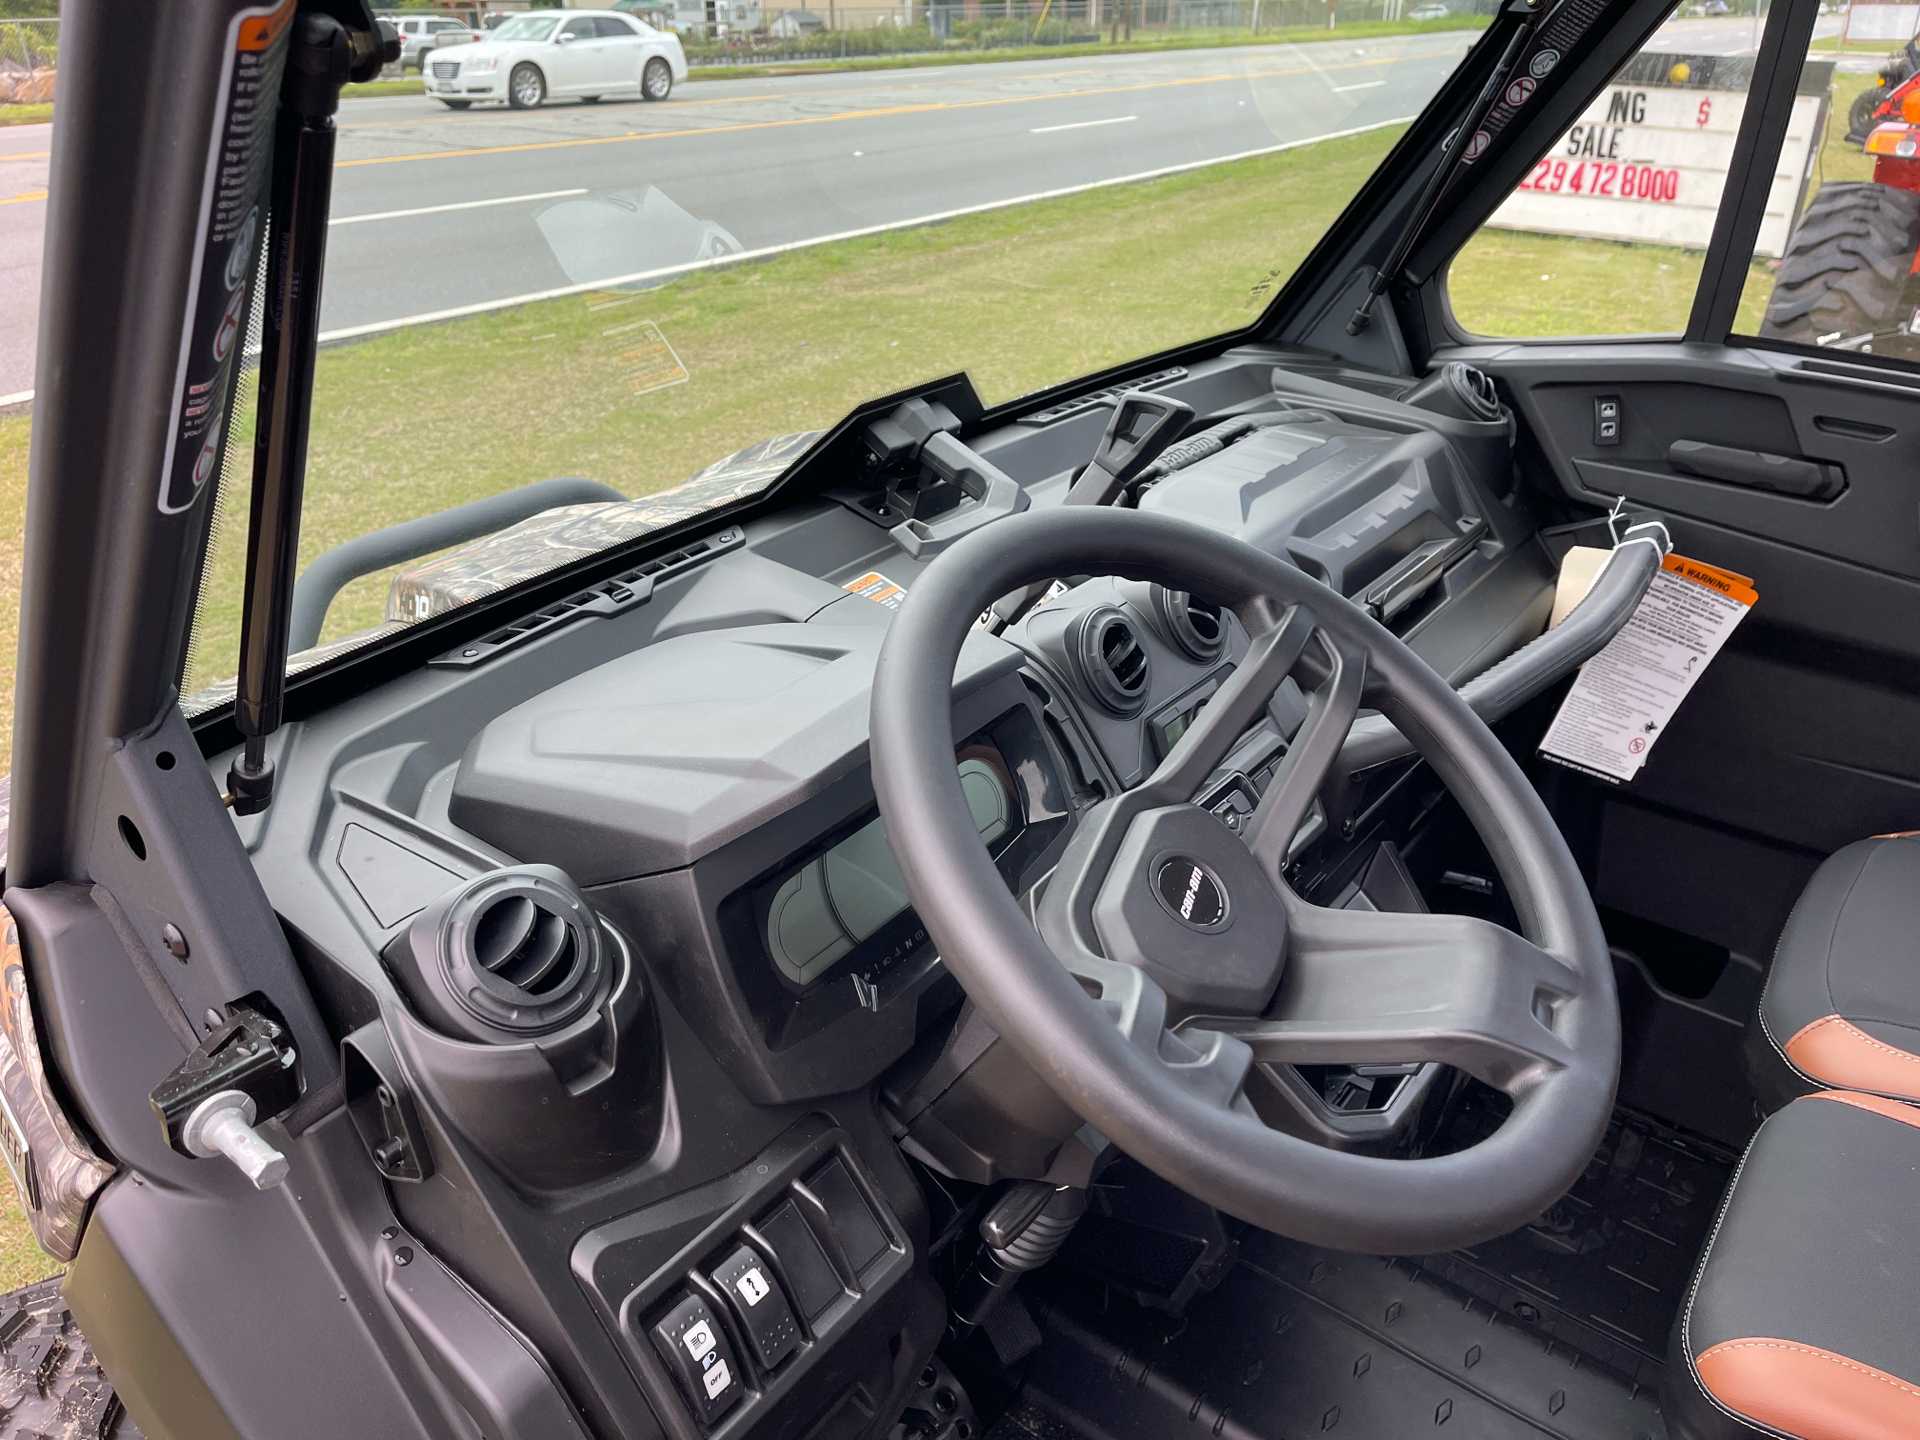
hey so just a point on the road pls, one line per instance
(436, 211)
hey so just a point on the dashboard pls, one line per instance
(690, 765)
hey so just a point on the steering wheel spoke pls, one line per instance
(1331, 708)
(1209, 1065)
(1363, 987)
(1271, 656)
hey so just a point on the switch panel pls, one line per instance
(1607, 419)
(815, 1286)
(695, 1348)
(859, 1232)
(747, 1282)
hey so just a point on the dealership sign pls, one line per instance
(1648, 159)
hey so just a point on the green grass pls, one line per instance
(26, 114)
(383, 87)
(1175, 40)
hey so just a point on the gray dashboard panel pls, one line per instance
(652, 760)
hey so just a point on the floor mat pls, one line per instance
(1555, 1330)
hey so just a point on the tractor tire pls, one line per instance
(50, 1383)
(1846, 266)
(1860, 113)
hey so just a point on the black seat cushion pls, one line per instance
(1842, 1002)
(1800, 1319)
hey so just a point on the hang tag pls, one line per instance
(1626, 695)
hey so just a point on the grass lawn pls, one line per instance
(26, 114)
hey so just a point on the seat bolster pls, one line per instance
(1798, 1323)
(1835, 1051)
(1809, 1393)
(1840, 973)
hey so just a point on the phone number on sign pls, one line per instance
(1589, 177)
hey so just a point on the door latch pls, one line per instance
(244, 1073)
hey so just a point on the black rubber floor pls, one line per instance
(1556, 1330)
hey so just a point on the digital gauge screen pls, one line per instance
(848, 897)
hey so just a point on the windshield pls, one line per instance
(721, 256)
(531, 28)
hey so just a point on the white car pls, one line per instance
(543, 55)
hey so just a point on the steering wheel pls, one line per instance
(1168, 954)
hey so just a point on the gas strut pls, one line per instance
(331, 44)
(1452, 155)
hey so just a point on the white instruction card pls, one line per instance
(1624, 696)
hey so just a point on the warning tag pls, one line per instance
(877, 588)
(1625, 695)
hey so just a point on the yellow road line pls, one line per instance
(23, 196)
(870, 114)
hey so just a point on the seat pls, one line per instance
(1800, 1318)
(1841, 1008)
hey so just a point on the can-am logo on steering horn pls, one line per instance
(1191, 892)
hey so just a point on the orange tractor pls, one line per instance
(1844, 281)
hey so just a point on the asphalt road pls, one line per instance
(437, 211)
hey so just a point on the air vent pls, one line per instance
(610, 597)
(515, 951)
(526, 945)
(1109, 396)
(1481, 394)
(1112, 661)
(1196, 626)
(1458, 390)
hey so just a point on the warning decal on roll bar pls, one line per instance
(226, 249)
(1624, 696)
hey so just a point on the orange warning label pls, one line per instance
(1735, 587)
(257, 32)
(877, 588)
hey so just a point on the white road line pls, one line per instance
(460, 205)
(721, 262)
(1086, 124)
(1370, 85)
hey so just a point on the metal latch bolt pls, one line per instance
(244, 1072)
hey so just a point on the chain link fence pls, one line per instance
(742, 32)
(28, 49)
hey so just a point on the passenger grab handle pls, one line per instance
(1496, 693)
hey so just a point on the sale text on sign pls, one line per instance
(1648, 159)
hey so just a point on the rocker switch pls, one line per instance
(1606, 420)
(695, 1348)
(760, 1303)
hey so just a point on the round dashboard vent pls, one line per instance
(1112, 661)
(1459, 390)
(1196, 626)
(515, 950)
